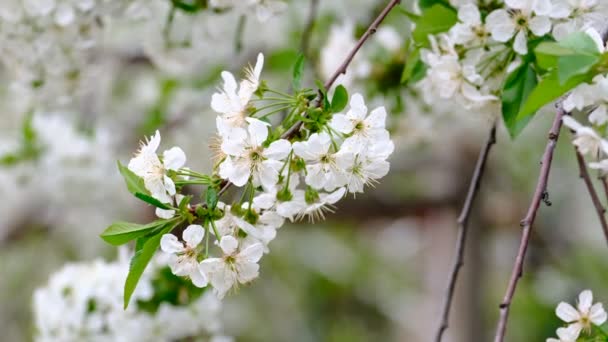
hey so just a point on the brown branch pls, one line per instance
(344, 66)
(463, 220)
(341, 70)
(604, 180)
(526, 223)
(599, 208)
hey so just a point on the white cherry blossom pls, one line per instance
(184, 255)
(523, 17)
(247, 157)
(239, 264)
(322, 168)
(147, 165)
(586, 139)
(583, 316)
(233, 103)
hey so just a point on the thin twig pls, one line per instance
(344, 66)
(526, 223)
(463, 220)
(604, 180)
(341, 70)
(310, 25)
(599, 208)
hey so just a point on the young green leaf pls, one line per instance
(211, 198)
(547, 90)
(298, 71)
(151, 200)
(516, 90)
(569, 66)
(119, 233)
(134, 183)
(436, 19)
(340, 99)
(143, 254)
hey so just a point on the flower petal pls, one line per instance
(567, 312)
(193, 235)
(170, 244)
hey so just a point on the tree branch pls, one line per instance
(463, 220)
(341, 70)
(526, 223)
(349, 58)
(599, 208)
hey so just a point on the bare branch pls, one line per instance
(599, 208)
(526, 223)
(349, 58)
(463, 220)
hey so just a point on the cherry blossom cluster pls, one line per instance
(584, 319)
(471, 61)
(84, 299)
(280, 175)
(51, 48)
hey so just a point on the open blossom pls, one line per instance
(586, 139)
(522, 18)
(368, 166)
(323, 169)
(233, 103)
(469, 30)
(583, 316)
(184, 255)
(239, 264)
(247, 157)
(147, 165)
(316, 208)
(362, 128)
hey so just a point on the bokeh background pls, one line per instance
(376, 269)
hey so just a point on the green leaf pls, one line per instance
(425, 4)
(143, 254)
(211, 198)
(340, 99)
(547, 90)
(413, 67)
(119, 233)
(153, 201)
(436, 19)
(569, 66)
(580, 43)
(134, 183)
(298, 71)
(517, 88)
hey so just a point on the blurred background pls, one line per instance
(376, 269)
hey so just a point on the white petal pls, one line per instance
(199, 279)
(597, 314)
(341, 123)
(174, 158)
(228, 244)
(164, 214)
(501, 25)
(567, 312)
(585, 299)
(258, 131)
(252, 253)
(520, 45)
(278, 150)
(540, 25)
(170, 244)
(247, 271)
(569, 334)
(469, 14)
(571, 123)
(193, 235)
